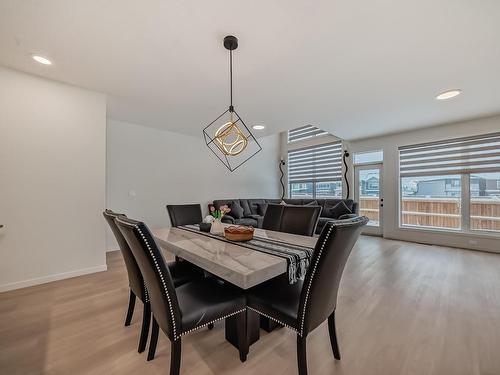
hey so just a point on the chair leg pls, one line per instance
(154, 340)
(146, 319)
(130, 312)
(302, 354)
(175, 357)
(241, 331)
(333, 336)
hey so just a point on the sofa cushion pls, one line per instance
(336, 211)
(333, 202)
(246, 207)
(236, 210)
(247, 221)
(253, 203)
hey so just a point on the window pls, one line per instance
(432, 201)
(304, 132)
(328, 190)
(304, 190)
(485, 202)
(369, 157)
(434, 177)
(316, 172)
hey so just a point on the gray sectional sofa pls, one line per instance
(253, 210)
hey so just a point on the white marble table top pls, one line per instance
(236, 264)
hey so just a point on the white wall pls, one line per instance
(52, 180)
(390, 145)
(149, 168)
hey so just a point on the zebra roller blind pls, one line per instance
(304, 132)
(478, 154)
(322, 163)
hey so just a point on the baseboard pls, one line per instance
(50, 278)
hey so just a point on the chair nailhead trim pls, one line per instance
(146, 295)
(162, 279)
(274, 319)
(159, 272)
(213, 321)
(311, 279)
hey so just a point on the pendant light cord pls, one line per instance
(231, 79)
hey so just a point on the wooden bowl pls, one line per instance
(238, 233)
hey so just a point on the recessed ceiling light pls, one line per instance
(448, 94)
(258, 127)
(42, 60)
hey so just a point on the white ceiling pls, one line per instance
(354, 68)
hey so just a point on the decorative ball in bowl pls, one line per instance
(238, 233)
(205, 227)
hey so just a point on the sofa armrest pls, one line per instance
(228, 219)
(347, 216)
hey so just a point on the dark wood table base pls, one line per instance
(253, 329)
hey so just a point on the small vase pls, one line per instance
(217, 227)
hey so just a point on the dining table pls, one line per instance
(236, 263)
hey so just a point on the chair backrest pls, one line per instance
(160, 287)
(300, 220)
(135, 279)
(321, 284)
(184, 214)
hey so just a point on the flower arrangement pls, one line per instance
(218, 214)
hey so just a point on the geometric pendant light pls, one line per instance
(227, 136)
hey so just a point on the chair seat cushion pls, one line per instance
(183, 272)
(277, 299)
(207, 300)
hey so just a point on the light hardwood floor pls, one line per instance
(403, 309)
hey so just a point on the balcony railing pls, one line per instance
(439, 212)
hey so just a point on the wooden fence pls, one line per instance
(439, 212)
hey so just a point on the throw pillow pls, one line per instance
(313, 203)
(261, 208)
(334, 212)
(236, 210)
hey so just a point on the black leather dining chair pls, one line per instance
(306, 304)
(300, 220)
(179, 311)
(184, 214)
(181, 274)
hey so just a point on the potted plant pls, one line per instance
(217, 227)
